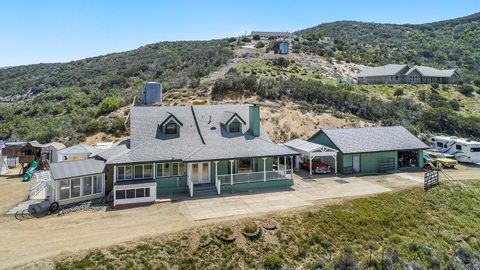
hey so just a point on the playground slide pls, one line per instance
(30, 171)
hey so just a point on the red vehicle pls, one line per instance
(317, 167)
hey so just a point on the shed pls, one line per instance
(373, 149)
(312, 150)
(283, 48)
(77, 152)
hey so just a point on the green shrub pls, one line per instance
(318, 264)
(256, 37)
(109, 105)
(421, 95)
(476, 82)
(259, 45)
(466, 89)
(347, 261)
(245, 39)
(398, 92)
(272, 262)
(281, 62)
(231, 39)
(434, 85)
(250, 227)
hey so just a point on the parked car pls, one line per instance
(433, 160)
(317, 167)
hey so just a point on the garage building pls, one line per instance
(372, 149)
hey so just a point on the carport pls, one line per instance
(312, 150)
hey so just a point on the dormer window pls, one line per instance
(235, 126)
(170, 125)
(232, 122)
(171, 128)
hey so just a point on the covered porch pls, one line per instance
(241, 174)
(311, 151)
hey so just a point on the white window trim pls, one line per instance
(178, 169)
(143, 171)
(170, 169)
(124, 166)
(69, 180)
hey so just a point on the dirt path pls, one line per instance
(332, 69)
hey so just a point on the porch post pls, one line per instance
(114, 174)
(310, 160)
(264, 169)
(336, 163)
(285, 165)
(154, 170)
(216, 169)
(291, 167)
(278, 164)
(231, 172)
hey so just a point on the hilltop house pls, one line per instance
(196, 150)
(393, 74)
(274, 35)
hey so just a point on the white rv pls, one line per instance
(464, 150)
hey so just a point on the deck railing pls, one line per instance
(240, 178)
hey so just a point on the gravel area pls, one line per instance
(92, 205)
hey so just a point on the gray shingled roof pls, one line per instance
(432, 72)
(373, 139)
(387, 70)
(79, 149)
(272, 34)
(394, 69)
(118, 149)
(227, 116)
(148, 144)
(76, 168)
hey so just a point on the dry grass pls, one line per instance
(438, 229)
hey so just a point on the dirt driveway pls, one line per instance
(37, 239)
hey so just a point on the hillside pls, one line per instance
(447, 44)
(67, 101)
(85, 99)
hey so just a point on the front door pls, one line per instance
(201, 173)
(356, 163)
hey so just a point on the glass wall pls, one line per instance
(80, 187)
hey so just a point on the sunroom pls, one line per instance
(78, 180)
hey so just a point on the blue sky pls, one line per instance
(43, 31)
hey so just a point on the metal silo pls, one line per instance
(151, 93)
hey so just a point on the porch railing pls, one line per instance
(240, 178)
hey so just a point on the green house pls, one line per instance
(373, 149)
(194, 150)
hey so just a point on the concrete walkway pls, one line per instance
(303, 193)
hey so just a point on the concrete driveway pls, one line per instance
(303, 193)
